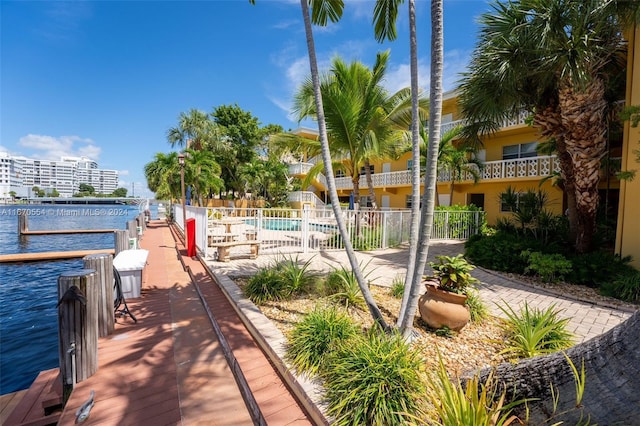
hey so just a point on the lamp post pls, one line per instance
(184, 211)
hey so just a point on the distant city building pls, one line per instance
(20, 174)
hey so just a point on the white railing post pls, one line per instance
(304, 225)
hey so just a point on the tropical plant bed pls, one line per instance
(475, 346)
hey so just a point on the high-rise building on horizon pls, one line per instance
(20, 174)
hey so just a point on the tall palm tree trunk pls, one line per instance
(331, 184)
(435, 117)
(584, 113)
(405, 317)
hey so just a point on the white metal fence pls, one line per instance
(308, 230)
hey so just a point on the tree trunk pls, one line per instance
(375, 312)
(612, 391)
(584, 113)
(372, 192)
(405, 318)
(550, 124)
(431, 175)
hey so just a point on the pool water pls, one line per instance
(288, 224)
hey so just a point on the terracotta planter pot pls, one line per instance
(439, 308)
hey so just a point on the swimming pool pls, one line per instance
(288, 224)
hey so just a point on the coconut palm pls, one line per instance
(324, 10)
(357, 108)
(321, 12)
(457, 161)
(385, 15)
(552, 57)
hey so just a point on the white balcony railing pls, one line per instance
(521, 168)
(516, 120)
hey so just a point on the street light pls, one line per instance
(184, 211)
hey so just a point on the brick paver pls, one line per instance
(586, 319)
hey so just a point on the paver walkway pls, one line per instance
(586, 319)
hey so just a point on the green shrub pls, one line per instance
(297, 277)
(624, 287)
(316, 335)
(374, 380)
(342, 286)
(397, 287)
(501, 251)
(532, 332)
(477, 308)
(549, 267)
(266, 285)
(475, 403)
(597, 267)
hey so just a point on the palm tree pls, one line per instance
(195, 130)
(357, 108)
(163, 176)
(457, 161)
(324, 10)
(385, 15)
(202, 173)
(552, 57)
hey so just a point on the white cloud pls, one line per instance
(455, 62)
(52, 148)
(123, 172)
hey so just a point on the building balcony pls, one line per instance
(516, 169)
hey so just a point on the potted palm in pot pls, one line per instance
(444, 303)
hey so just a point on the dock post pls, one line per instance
(78, 328)
(23, 221)
(103, 265)
(121, 237)
(133, 231)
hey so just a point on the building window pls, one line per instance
(504, 207)
(523, 150)
(477, 200)
(371, 168)
(409, 164)
(339, 173)
(408, 203)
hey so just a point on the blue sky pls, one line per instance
(107, 79)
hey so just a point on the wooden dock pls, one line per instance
(169, 368)
(50, 255)
(66, 231)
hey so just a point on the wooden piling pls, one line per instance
(78, 327)
(23, 221)
(103, 265)
(121, 238)
(132, 227)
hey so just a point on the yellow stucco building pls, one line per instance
(510, 159)
(628, 225)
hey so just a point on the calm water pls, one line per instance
(28, 291)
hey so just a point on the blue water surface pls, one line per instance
(28, 291)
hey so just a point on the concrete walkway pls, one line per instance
(586, 319)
